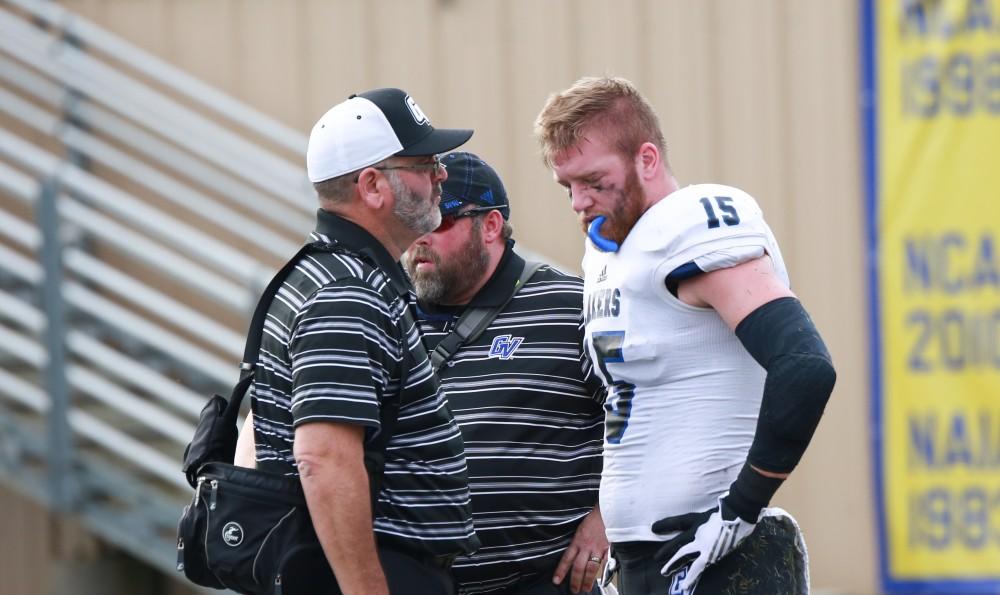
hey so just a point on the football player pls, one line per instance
(717, 376)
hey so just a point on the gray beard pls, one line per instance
(430, 289)
(449, 279)
(416, 213)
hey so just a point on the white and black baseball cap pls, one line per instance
(370, 127)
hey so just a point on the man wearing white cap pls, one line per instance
(341, 351)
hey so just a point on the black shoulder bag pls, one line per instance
(474, 321)
(249, 530)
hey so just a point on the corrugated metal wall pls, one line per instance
(761, 95)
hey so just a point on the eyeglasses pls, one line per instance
(448, 221)
(436, 167)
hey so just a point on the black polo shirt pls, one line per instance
(530, 410)
(333, 349)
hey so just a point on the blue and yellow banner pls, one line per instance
(932, 86)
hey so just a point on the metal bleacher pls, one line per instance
(141, 213)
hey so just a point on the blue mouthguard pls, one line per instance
(594, 233)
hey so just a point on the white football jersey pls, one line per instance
(683, 392)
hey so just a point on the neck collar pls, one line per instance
(334, 229)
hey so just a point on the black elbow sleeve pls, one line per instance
(800, 377)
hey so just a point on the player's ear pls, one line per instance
(647, 160)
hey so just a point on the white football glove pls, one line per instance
(705, 538)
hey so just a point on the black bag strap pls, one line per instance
(256, 333)
(474, 321)
(216, 434)
(389, 408)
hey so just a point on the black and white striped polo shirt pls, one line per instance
(332, 350)
(530, 410)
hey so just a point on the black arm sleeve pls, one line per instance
(800, 377)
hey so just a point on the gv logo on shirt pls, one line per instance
(504, 346)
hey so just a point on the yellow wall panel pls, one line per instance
(830, 492)
(202, 39)
(25, 543)
(269, 38)
(335, 56)
(678, 79)
(541, 60)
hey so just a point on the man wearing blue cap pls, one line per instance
(525, 396)
(340, 348)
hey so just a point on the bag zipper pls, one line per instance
(180, 554)
(197, 490)
(287, 498)
(253, 569)
(215, 492)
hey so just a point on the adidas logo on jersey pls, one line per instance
(603, 275)
(504, 346)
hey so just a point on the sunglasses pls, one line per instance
(448, 221)
(436, 167)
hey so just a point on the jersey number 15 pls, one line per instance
(729, 214)
(608, 349)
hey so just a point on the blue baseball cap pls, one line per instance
(471, 181)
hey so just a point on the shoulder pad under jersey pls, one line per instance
(698, 221)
